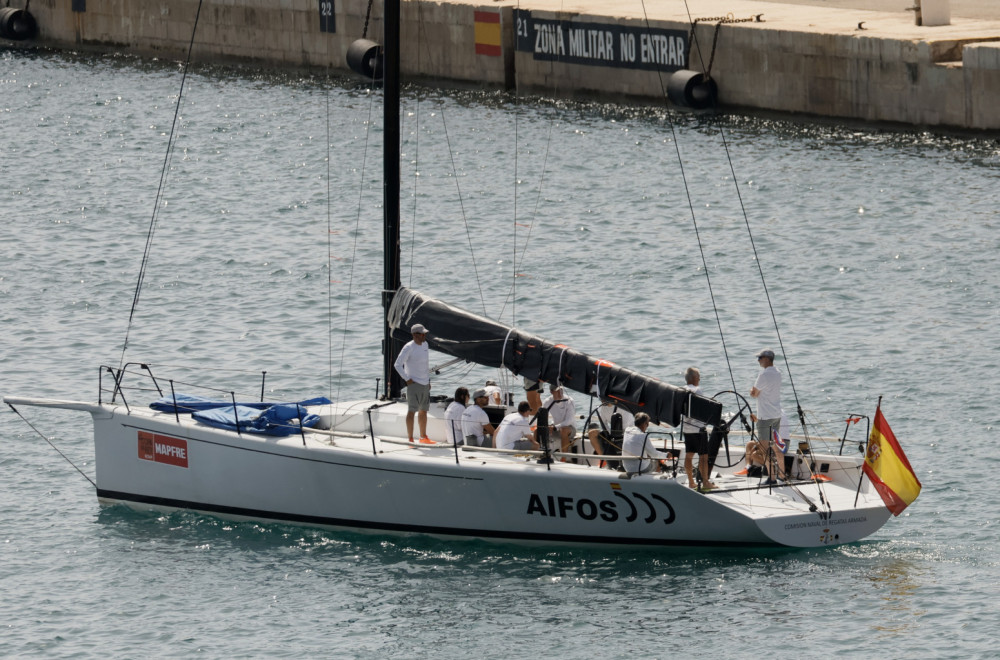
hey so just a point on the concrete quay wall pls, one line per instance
(842, 63)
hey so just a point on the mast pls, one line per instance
(390, 157)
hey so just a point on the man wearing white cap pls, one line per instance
(413, 364)
(767, 391)
(475, 422)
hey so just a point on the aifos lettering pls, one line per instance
(623, 507)
(163, 449)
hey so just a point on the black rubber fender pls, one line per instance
(692, 89)
(364, 57)
(17, 24)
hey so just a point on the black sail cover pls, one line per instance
(471, 337)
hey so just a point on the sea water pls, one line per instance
(578, 222)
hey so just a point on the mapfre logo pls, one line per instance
(163, 449)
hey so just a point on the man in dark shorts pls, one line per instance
(695, 437)
(533, 393)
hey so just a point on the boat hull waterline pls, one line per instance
(152, 461)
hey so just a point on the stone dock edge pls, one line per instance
(838, 63)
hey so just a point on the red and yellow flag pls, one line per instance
(487, 33)
(887, 467)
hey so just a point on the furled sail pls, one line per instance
(474, 338)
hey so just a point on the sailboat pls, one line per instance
(349, 465)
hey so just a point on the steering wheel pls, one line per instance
(735, 409)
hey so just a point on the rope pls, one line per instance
(329, 250)
(159, 191)
(465, 218)
(763, 281)
(18, 413)
(746, 221)
(354, 246)
(719, 22)
(694, 219)
(416, 150)
(511, 297)
(368, 15)
(421, 45)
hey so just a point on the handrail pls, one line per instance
(492, 450)
(119, 389)
(177, 414)
(118, 375)
(64, 404)
(236, 415)
(854, 419)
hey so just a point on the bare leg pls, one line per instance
(595, 442)
(534, 400)
(566, 438)
(703, 468)
(689, 468)
(409, 425)
(775, 462)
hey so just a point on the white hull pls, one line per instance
(342, 482)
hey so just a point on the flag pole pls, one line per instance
(857, 494)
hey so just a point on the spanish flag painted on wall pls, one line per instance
(887, 467)
(487, 33)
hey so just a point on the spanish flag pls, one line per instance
(487, 33)
(887, 467)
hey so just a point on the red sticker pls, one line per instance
(163, 449)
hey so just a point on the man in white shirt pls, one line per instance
(413, 364)
(637, 443)
(493, 393)
(475, 422)
(515, 431)
(562, 415)
(453, 416)
(767, 391)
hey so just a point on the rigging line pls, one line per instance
(746, 220)
(513, 249)
(534, 213)
(159, 191)
(454, 171)
(459, 376)
(416, 179)
(694, 37)
(541, 185)
(763, 281)
(329, 249)
(18, 413)
(357, 232)
(416, 148)
(512, 292)
(465, 218)
(694, 220)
